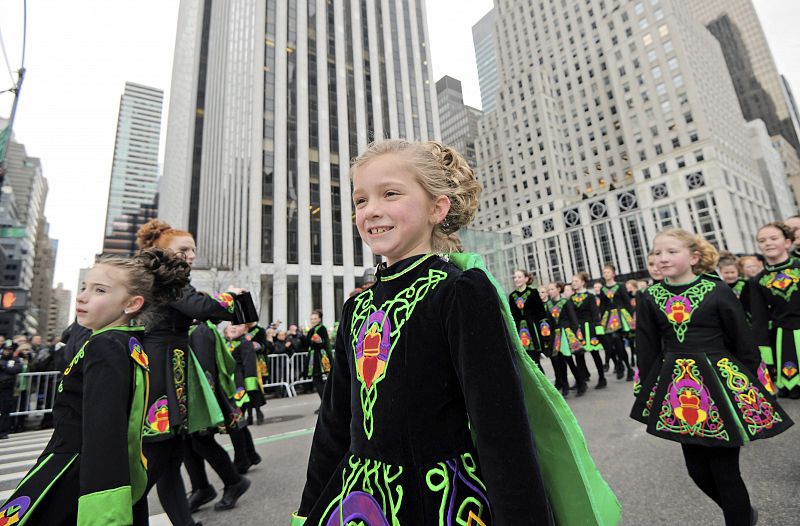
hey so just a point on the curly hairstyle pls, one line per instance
(158, 275)
(440, 170)
(696, 244)
(157, 233)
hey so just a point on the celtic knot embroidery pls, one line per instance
(679, 308)
(781, 283)
(754, 407)
(375, 333)
(578, 298)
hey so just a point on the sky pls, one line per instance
(80, 53)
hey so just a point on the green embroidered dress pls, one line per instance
(702, 378)
(528, 312)
(775, 309)
(616, 308)
(93, 465)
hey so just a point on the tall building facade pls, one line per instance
(458, 122)
(485, 57)
(614, 120)
(44, 266)
(58, 316)
(770, 166)
(134, 171)
(270, 101)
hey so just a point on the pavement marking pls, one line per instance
(5, 477)
(276, 438)
(19, 464)
(24, 447)
(24, 454)
(159, 520)
(296, 404)
(5, 494)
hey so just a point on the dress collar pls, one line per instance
(400, 268)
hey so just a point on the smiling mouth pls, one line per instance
(378, 230)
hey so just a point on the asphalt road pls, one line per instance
(647, 474)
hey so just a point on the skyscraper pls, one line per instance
(458, 122)
(134, 171)
(614, 120)
(486, 59)
(270, 102)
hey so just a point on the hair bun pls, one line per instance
(148, 233)
(170, 273)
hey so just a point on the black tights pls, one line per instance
(244, 451)
(618, 349)
(580, 359)
(319, 384)
(560, 364)
(203, 448)
(164, 460)
(715, 470)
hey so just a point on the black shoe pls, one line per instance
(629, 378)
(231, 494)
(794, 394)
(620, 373)
(242, 466)
(601, 383)
(605, 368)
(259, 419)
(255, 459)
(565, 391)
(573, 387)
(582, 390)
(249, 420)
(201, 497)
(753, 516)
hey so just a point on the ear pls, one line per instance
(134, 304)
(695, 259)
(440, 209)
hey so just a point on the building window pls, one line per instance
(577, 250)
(659, 191)
(604, 244)
(549, 225)
(695, 180)
(633, 243)
(627, 201)
(572, 218)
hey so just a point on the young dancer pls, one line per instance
(750, 266)
(319, 345)
(729, 272)
(617, 319)
(565, 341)
(775, 308)
(588, 315)
(263, 347)
(528, 311)
(244, 354)
(632, 286)
(92, 471)
(702, 381)
(417, 353)
(176, 386)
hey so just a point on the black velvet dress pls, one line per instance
(702, 380)
(167, 344)
(528, 312)
(588, 315)
(92, 471)
(422, 420)
(616, 309)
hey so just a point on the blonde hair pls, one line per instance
(727, 259)
(441, 171)
(633, 283)
(742, 261)
(696, 243)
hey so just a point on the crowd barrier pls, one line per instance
(37, 392)
(280, 372)
(299, 371)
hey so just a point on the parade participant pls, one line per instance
(528, 312)
(703, 386)
(630, 337)
(10, 367)
(750, 266)
(218, 366)
(92, 471)
(729, 272)
(259, 336)
(589, 323)
(652, 270)
(319, 348)
(565, 342)
(247, 389)
(616, 319)
(793, 223)
(176, 386)
(775, 308)
(425, 360)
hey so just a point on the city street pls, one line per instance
(646, 473)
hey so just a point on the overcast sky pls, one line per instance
(81, 52)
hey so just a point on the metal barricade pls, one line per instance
(280, 372)
(299, 370)
(37, 393)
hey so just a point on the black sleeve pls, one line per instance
(484, 362)
(738, 336)
(536, 306)
(625, 297)
(515, 312)
(249, 359)
(759, 310)
(744, 297)
(648, 336)
(107, 388)
(322, 332)
(572, 316)
(332, 434)
(594, 310)
(14, 369)
(202, 307)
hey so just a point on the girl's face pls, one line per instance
(608, 274)
(598, 288)
(729, 273)
(752, 267)
(184, 246)
(104, 300)
(773, 244)
(520, 281)
(394, 214)
(673, 258)
(652, 269)
(314, 319)
(553, 292)
(631, 288)
(577, 283)
(543, 295)
(235, 331)
(568, 291)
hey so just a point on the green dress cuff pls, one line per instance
(110, 507)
